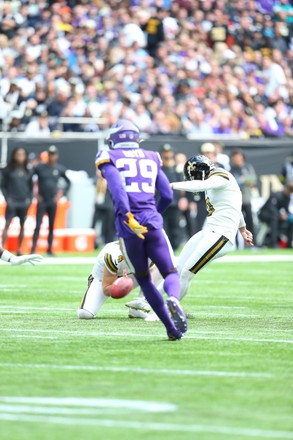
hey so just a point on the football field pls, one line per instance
(115, 378)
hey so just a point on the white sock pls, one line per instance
(6, 256)
(185, 280)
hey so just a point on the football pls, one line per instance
(121, 287)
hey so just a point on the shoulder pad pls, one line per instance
(220, 172)
(102, 157)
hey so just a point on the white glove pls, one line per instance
(32, 259)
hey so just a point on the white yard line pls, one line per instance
(118, 311)
(144, 335)
(167, 427)
(37, 337)
(237, 297)
(241, 282)
(28, 409)
(11, 307)
(138, 405)
(254, 258)
(141, 370)
(277, 341)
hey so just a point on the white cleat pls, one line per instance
(152, 317)
(133, 313)
(84, 314)
(139, 304)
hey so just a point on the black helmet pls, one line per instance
(197, 168)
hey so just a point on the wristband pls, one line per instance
(6, 256)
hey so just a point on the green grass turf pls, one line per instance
(241, 322)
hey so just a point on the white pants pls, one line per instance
(92, 300)
(198, 252)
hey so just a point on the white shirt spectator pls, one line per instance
(34, 129)
(276, 78)
(170, 27)
(133, 33)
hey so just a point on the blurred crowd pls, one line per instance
(183, 66)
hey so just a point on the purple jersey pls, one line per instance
(133, 189)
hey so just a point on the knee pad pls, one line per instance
(84, 314)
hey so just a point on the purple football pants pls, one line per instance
(137, 253)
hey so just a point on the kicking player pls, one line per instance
(133, 175)
(223, 201)
(16, 261)
(110, 265)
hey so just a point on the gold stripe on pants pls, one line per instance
(209, 254)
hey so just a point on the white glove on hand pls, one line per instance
(32, 259)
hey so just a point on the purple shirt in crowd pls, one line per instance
(133, 175)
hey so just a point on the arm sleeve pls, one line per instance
(166, 193)
(119, 195)
(213, 182)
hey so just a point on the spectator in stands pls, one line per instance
(222, 157)
(172, 215)
(283, 10)
(246, 178)
(39, 126)
(154, 29)
(17, 189)
(103, 212)
(209, 150)
(186, 204)
(287, 170)
(49, 174)
(275, 213)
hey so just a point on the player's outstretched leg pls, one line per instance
(92, 300)
(159, 252)
(137, 259)
(157, 303)
(177, 314)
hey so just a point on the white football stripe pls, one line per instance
(108, 423)
(141, 370)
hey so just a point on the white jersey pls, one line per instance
(223, 200)
(110, 257)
